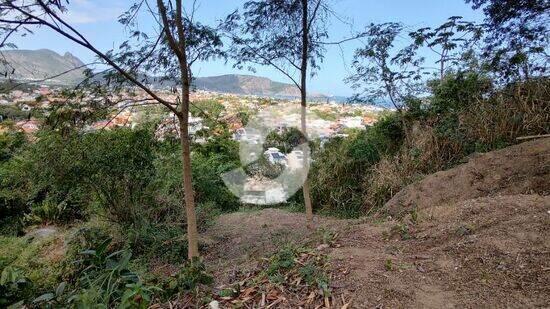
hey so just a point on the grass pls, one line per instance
(38, 259)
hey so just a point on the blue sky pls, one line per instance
(97, 20)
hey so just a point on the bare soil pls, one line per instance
(519, 169)
(475, 236)
(238, 240)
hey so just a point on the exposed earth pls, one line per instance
(477, 235)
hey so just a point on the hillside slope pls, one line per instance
(479, 236)
(519, 169)
(37, 65)
(246, 84)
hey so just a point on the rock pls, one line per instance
(42, 232)
(214, 304)
(323, 247)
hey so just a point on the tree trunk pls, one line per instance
(305, 187)
(303, 92)
(189, 201)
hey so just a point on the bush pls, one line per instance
(48, 173)
(337, 173)
(458, 91)
(119, 165)
(208, 162)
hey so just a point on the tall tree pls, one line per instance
(517, 36)
(449, 41)
(167, 50)
(390, 68)
(382, 70)
(286, 35)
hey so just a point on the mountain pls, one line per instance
(38, 65)
(42, 64)
(246, 84)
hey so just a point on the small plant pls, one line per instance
(137, 296)
(282, 260)
(53, 298)
(388, 265)
(228, 293)
(414, 216)
(191, 275)
(14, 286)
(403, 231)
(463, 230)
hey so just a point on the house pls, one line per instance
(29, 126)
(275, 156)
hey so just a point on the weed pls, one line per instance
(190, 276)
(464, 230)
(402, 230)
(388, 265)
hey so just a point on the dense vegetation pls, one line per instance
(463, 114)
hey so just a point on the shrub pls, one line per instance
(458, 91)
(48, 174)
(339, 169)
(119, 165)
(208, 162)
(191, 275)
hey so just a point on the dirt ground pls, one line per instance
(476, 236)
(519, 169)
(238, 240)
(486, 252)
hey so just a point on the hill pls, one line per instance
(38, 65)
(246, 84)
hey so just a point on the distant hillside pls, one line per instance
(41, 64)
(246, 84)
(37, 65)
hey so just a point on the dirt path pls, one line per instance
(238, 240)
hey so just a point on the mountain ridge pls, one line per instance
(44, 65)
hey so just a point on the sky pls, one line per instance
(97, 20)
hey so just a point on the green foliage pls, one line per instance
(285, 141)
(149, 238)
(337, 173)
(14, 286)
(191, 275)
(281, 261)
(10, 143)
(119, 165)
(210, 108)
(102, 278)
(13, 113)
(48, 174)
(28, 267)
(209, 161)
(457, 92)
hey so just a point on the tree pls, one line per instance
(167, 51)
(448, 41)
(517, 41)
(286, 35)
(382, 70)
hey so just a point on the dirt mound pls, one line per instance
(520, 169)
(489, 252)
(474, 236)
